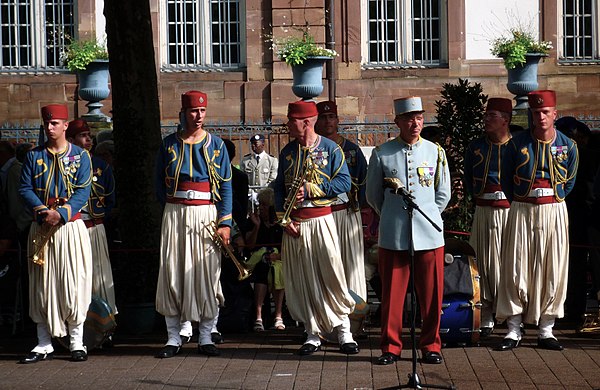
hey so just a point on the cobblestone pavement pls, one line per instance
(267, 361)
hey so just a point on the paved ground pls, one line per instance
(266, 361)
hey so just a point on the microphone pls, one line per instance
(396, 186)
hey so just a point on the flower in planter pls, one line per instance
(519, 43)
(79, 54)
(295, 50)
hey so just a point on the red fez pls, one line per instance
(327, 107)
(539, 99)
(500, 104)
(77, 126)
(193, 99)
(302, 109)
(55, 111)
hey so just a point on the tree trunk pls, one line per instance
(136, 119)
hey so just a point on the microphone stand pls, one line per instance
(413, 378)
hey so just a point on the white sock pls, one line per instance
(514, 327)
(44, 340)
(545, 327)
(173, 327)
(76, 338)
(344, 334)
(185, 329)
(205, 327)
(313, 339)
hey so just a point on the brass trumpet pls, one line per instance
(211, 228)
(41, 239)
(290, 201)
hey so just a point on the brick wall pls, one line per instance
(263, 90)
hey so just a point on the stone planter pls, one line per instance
(93, 87)
(523, 79)
(308, 77)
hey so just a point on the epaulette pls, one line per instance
(246, 155)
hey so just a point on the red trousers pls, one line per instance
(394, 270)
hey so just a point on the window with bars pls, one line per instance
(405, 32)
(203, 34)
(33, 33)
(579, 31)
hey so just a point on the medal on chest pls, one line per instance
(319, 158)
(559, 153)
(426, 175)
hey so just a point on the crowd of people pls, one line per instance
(295, 223)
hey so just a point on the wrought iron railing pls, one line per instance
(363, 133)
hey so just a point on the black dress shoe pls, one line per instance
(185, 339)
(168, 351)
(432, 357)
(507, 345)
(387, 358)
(349, 348)
(486, 332)
(217, 338)
(79, 356)
(550, 343)
(208, 350)
(308, 349)
(34, 357)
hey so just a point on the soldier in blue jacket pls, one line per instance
(482, 180)
(101, 201)
(422, 168)
(55, 183)
(346, 211)
(193, 176)
(311, 175)
(539, 170)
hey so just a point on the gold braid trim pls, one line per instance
(441, 161)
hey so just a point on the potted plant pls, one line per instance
(306, 58)
(521, 53)
(89, 59)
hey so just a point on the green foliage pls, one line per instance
(514, 48)
(460, 118)
(295, 50)
(79, 54)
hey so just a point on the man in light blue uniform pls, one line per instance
(193, 177)
(421, 167)
(55, 183)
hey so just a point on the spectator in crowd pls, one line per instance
(260, 166)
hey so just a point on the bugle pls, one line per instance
(211, 228)
(290, 201)
(42, 237)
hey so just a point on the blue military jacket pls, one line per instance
(102, 196)
(483, 163)
(327, 177)
(528, 159)
(66, 175)
(423, 169)
(357, 166)
(205, 161)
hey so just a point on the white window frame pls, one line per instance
(37, 31)
(205, 62)
(595, 16)
(404, 38)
